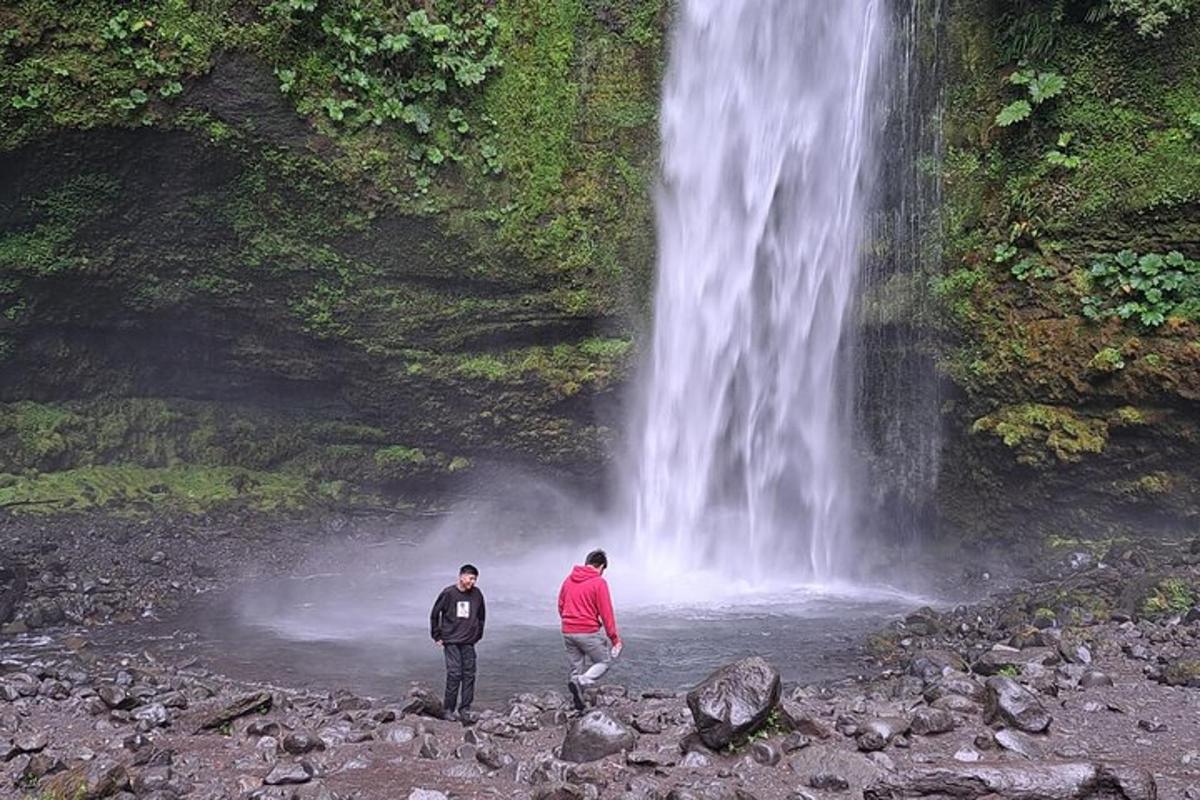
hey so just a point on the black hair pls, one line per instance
(468, 569)
(597, 559)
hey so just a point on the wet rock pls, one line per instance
(651, 758)
(429, 747)
(300, 742)
(734, 701)
(559, 791)
(1093, 678)
(957, 704)
(828, 782)
(263, 727)
(795, 741)
(793, 717)
(1078, 781)
(152, 716)
(493, 758)
(42, 764)
(1016, 743)
(930, 721)
(765, 753)
(31, 742)
(595, 735)
(400, 734)
(290, 774)
(426, 794)
(876, 734)
(100, 777)
(213, 720)
(955, 685)
(116, 697)
(421, 700)
(1006, 659)
(151, 780)
(647, 723)
(1014, 705)
(464, 771)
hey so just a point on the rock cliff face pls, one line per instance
(263, 254)
(1071, 135)
(220, 284)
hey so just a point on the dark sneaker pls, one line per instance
(450, 716)
(576, 694)
(467, 717)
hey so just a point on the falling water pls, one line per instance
(744, 462)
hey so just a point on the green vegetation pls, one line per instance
(1039, 86)
(1148, 288)
(1170, 596)
(1036, 431)
(144, 454)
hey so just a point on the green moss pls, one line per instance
(1171, 595)
(1128, 415)
(129, 488)
(1035, 431)
(399, 454)
(1149, 486)
(1107, 361)
(45, 248)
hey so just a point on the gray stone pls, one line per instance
(429, 747)
(765, 753)
(300, 742)
(426, 794)
(1016, 743)
(400, 734)
(290, 774)
(1093, 678)
(930, 721)
(595, 735)
(1069, 781)
(828, 782)
(1014, 705)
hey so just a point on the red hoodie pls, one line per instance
(584, 603)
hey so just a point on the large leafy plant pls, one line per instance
(370, 62)
(1040, 87)
(1146, 288)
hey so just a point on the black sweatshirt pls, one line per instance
(457, 616)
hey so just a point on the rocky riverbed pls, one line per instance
(1082, 682)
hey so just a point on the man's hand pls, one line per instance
(616, 649)
(438, 642)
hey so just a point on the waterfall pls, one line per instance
(744, 457)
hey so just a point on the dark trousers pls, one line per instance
(460, 670)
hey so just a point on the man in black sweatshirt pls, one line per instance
(456, 624)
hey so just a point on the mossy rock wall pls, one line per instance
(1061, 424)
(201, 267)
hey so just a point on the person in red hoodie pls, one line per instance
(584, 605)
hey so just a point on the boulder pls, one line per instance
(1007, 659)
(1014, 705)
(734, 701)
(1071, 781)
(100, 777)
(595, 735)
(929, 721)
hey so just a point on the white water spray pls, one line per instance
(743, 461)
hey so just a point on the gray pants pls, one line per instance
(589, 656)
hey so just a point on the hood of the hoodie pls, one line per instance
(582, 574)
